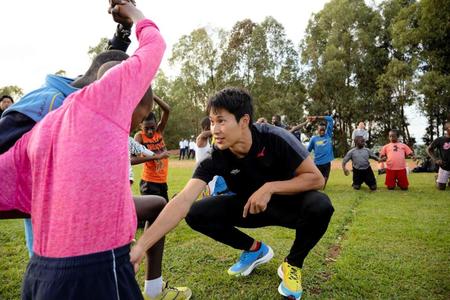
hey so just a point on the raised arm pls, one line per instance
(165, 113)
(202, 138)
(299, 126)
(121, 39)
(121, 88)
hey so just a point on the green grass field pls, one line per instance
(379, 245)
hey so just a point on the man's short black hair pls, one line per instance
(7, 96)
(236, 101)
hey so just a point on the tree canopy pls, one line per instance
(357, 61)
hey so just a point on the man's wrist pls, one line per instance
(270, 188)
(123, 31)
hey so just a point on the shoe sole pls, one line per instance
(280, 272)
(280, 290)
(256, 263)
(188, 295)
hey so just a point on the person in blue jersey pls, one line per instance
(322, 145)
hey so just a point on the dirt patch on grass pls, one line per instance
(185, 163)
(314, 290)
(333, 253)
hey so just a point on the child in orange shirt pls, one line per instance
(394, 154)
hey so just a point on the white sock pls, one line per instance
(153, 287)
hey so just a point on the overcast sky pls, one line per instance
(44, 36)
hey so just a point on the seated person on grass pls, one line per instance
(439, 151)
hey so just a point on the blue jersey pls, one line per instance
(323, 145)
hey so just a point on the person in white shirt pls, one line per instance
(360, 131)
(182, 151)
(192, 147)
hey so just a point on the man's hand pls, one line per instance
(122, 11)
(113, 3)
(439, 162)
(346, 172)
(257, 202)
(383, 159)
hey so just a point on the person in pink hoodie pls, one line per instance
(84, 218)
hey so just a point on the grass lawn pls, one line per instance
(383, 244)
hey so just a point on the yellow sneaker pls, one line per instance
(169, 293)
(291, 284)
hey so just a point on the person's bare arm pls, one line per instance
(165, 113)
(170, 216)
(202, 138)
(135, 160)
(347, 157)
(299, 126)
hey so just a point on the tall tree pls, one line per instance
(100, 47)
(423, 30)
(262, 59)
(340, 55)
(197, 57)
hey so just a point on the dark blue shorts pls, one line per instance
(105, 275)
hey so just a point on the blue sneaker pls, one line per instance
(291, 284)
(250, 260)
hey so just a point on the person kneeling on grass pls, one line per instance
(362, 172)
(394, 155)
(275, 184)
(439, 151)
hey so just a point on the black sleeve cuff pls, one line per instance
(120, 40)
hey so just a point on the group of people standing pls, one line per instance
(188, 149)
